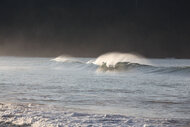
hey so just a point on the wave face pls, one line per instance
(125, 67)
(121, 62)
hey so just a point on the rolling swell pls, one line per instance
(108, 63)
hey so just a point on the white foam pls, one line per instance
(66, 59)
(111, 59)
(49, 116)
(63, 58)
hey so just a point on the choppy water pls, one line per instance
(76, 91)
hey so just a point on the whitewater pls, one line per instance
(114, 89)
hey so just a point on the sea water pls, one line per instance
(112, 90)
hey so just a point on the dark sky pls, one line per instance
(153, 28)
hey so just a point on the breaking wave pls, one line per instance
(125, 67)
(66, 59)
(113, 58)
(120, 62)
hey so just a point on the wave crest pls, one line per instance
(114, 58)
(66, 59)
(119, 62)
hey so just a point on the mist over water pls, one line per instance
(94, 86)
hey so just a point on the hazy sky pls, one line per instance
(153, 28)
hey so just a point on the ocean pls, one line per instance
(115, 89)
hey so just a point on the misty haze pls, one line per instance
(94, 63)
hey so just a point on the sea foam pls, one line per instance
(35, 115)
(111, 59)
